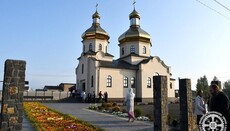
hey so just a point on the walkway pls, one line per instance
(102, 120)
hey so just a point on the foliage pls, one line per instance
(47, 119)
(226, 88)
(114, 104)
(215, 78)
(109, 105)
(93, 107)
(116, 108)
(137, 112)
(124, 111)
(202, 84)
(104, 105)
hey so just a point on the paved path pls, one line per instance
(102, 120)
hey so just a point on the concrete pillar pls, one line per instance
(186, 110)
(12, 95)
(160, 103)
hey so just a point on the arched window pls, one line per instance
(144, 50)
(149, 82)
(133, 82)
(125, 82)
(109, 81)
(170, 85)
(100, 47)
(91, 81)
(132, 49)
(83, 48)
(122, 51)
(90, 46)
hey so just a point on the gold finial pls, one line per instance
(96, 6)
(134, 2)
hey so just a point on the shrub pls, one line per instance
(116, 109)
(104, 105)
(150, 117)
(114, 104)
(124, 111)
(100, 108)
(106, 108)
(137, 112)
(109, 105)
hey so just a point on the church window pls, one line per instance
(125, 82)
(109, 81)
(144, 50)
(82, 68)
(90, 46)
(170, 85)
(149, 82)
(132, 49)
(100, 47)
(106, 49)
(122, 51)
(91, 81)
(84, 48)
(133, 82)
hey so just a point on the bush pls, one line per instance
(137, 112)
(116, 109)
(114, 104)
(109, 105)
(104, 105)
(124, 111)
(100, 108)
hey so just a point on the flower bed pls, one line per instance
(46, 119)
(109, 108)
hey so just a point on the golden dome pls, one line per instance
(134, 14)
(95, 31)
(134, 33)
(96, 15)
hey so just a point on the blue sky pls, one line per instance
(188, 36)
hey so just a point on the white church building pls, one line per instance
(135, 68)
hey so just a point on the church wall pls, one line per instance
(117, 90)
(87, 43)
(149, 70)
(148, 49)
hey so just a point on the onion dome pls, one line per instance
(134, 32)
(95, 31)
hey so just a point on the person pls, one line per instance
(129, 100)
(83, 96)
(106, 97)
(73, 93)
(220, 103)
(199, 106)
(100, 96)
(89, 97)
(94, 96)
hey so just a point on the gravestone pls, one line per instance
(160, 103)
(12, 95)
(186, 110)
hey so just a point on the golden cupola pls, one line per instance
(135, 32)
(95, 31)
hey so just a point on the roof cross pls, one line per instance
(134, 2)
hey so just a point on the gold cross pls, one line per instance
(134, 2)
(96, 6)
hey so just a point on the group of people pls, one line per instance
(219, 102)
(91, 97)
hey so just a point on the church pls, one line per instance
(98, 71)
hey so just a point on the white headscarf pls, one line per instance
(130, 94)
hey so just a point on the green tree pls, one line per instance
(226, 88)
(202, 84)
(215, 79)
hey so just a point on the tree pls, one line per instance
(202, 84)
(226, 88)
(215, 79)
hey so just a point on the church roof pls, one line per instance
(93, 30)
(117, 64)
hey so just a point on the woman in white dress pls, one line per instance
(129, 100)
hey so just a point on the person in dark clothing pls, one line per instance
(220, 103)
(89, 97)
(100, 96)
(106, 97)
(93, 96)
